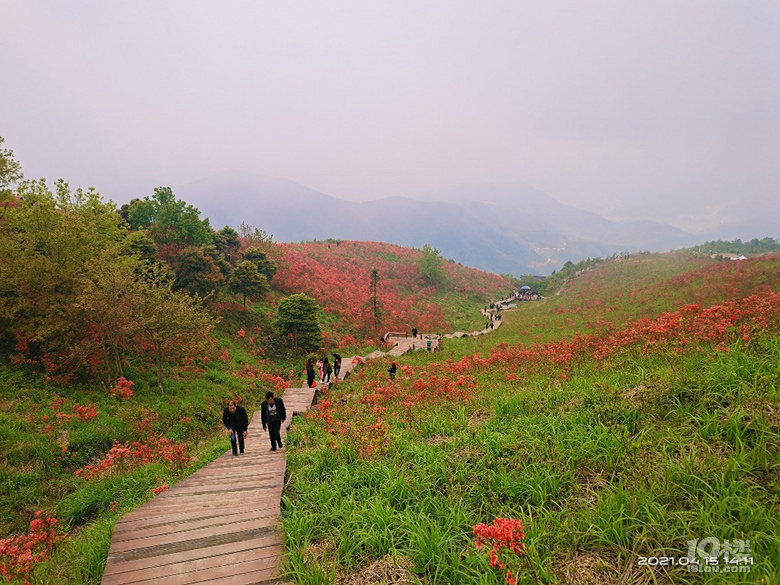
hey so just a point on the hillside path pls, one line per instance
(404, 343)
(221, 525)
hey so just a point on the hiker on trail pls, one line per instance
(273, 414)
(414, 331)
(391, 370)
(336, 364)
(236, 422)
(321, 370)
(310, 373)
(326, 369)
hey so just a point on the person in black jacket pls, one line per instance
(310, 373)
(336, 365)
(273, 414)
(236, 422)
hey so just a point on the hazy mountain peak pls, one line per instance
(501, 227)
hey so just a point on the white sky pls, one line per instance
(620, 107)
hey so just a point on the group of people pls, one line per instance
(324, 368)
(273, 412)
(236, 421)
(492, 319)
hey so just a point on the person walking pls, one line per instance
(392, 370)
(272, 415)
(310, 374)
(321, 370)
(336, 365)
(326, 369)
(236, 422)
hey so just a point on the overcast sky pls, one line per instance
(620, 107)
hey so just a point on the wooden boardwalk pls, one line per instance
(218, 526)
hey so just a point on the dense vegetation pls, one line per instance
(752, 247)
(124, 331)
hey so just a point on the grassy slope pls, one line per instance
(604, 460)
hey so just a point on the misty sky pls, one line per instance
(645, 108)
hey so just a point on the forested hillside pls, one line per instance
(414, 288)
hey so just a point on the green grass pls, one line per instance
(612, 464)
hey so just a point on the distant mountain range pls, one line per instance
(510, 228)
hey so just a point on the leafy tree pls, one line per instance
(251, 237)
(431, 266)
(228, 244)
(754, 246)
(141, 245)
(175, 328)
(198, 272)
(106, 311)
(255, 237)
(374, 304)
(298, 322)
(247, 281)
(264, 264)
(78, 296)
(172, 224)
(10, 172)
(132, 319)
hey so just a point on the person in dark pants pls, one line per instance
(273, 414)
(310, 373)
(236, 422)
(392, 370)
(327, 369)
(336, 364)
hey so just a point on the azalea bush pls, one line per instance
(505, 537)
(138, 453)
(19, 555)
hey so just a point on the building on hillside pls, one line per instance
(727, 256)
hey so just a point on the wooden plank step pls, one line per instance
(264, 560)
(175, 524)
(252, 545)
